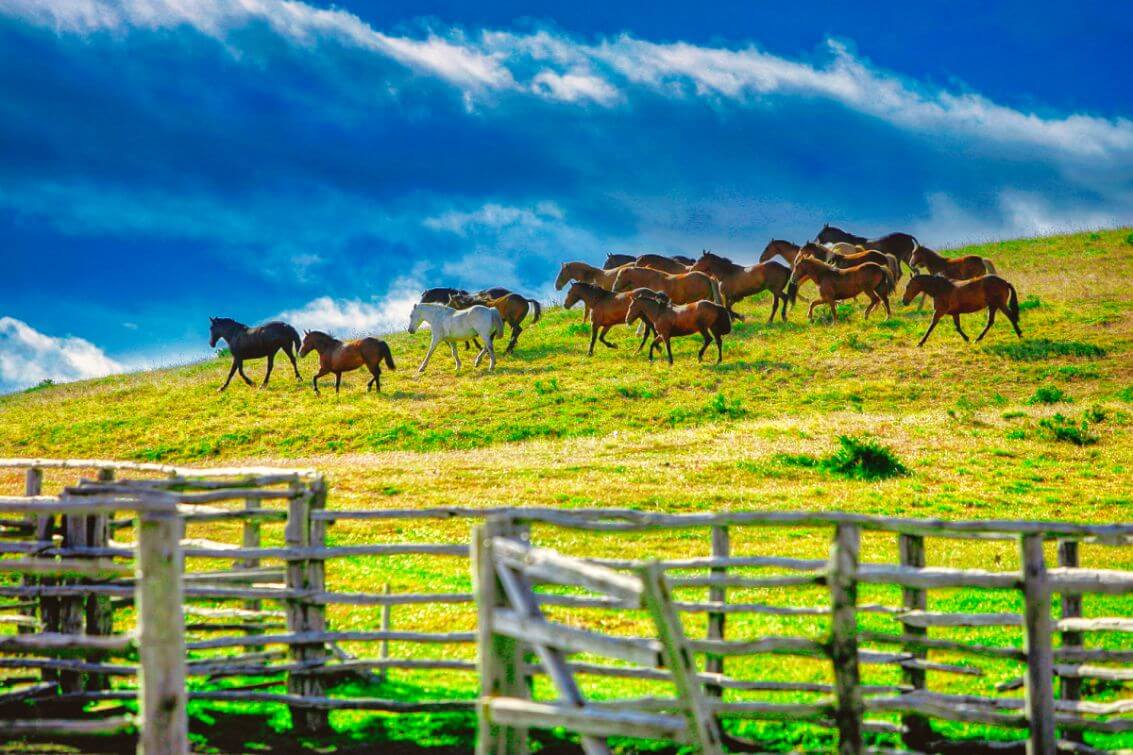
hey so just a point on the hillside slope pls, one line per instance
(553, 426)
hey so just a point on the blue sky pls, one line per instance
(163, 162)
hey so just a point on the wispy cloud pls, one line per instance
(28, 357)
(354, 318)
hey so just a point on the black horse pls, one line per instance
(254, 343)
(900, 245)
(441, 295)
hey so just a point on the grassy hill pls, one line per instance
(1037, 428)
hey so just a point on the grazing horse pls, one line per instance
(737, 281)
(450, 325)
(512, 308)
(900, 245)
(961, 297)
(834, 285)
(957, 268)
(607, 309)
(253, 343)
(711, 321)
(343, 356)
(662, 263)
(853, 258)
(617, 260)
(779, 248)
(681, 289)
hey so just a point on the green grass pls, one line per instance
(553, 427)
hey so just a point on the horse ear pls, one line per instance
(212, 319)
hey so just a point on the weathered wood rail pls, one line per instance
(256, 604)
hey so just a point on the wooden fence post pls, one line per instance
(499, 659)
(714, 664)
(252, 539)
(1038, 634)
(918, 730)
(1070, 687)
(304, 615)
(844, 638)
(99, 612)
(383, 649)
(72, 608)
(33, 486)
(161, 634)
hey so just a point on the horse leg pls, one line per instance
(775, 307)
(810, 312)
(315, 379)
(294, 365)
(704, 348)
(240, 369)
(834, 310)
(428, 355)
(956, 319)
(654, 345)
(593, 337)
(644, 337)
(267, 375)
(720, 345)
(515, 331)
(602, 337)
(491, 349)
(1014, 320)
(935, 320)
(990, 321)
(669, 349)
(873, 302)
(885, 301)
(337, 381)
(231, 372)
(456, 355)
(376, 371)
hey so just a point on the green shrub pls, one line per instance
(1034, 350)
(546, 387)
(578, 329)
(1129, 239)
(720, 406)
(1126, 394)
(1031, 302)
(1062, 429)
(633, 391)
(45, 383)
(856, 459)
(1049, 394)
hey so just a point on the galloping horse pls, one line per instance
(711, 321)
(617, 260)
(852, 259)
(338, 357)
(834, 285)
(961, 297)
(958, 268)
(661, 262)
(441, 295)
(512, 308)
(681, 289)
(900, 245)
(607, 309)
(580, 271)
(737, 281)
(779, 248)
(450, 325)
(253, 343)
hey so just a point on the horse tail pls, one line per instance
(989, 268)
(538, 310)
(388, 355)
(726, 328)
(792, 292)
(295, 339)
(889, 284)
(1012, 301)
(717, 296)
(497, 324)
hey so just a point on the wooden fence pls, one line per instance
(268, 616)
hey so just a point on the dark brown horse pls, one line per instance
(338, 357)
(854, 258)
(900, 245)
(957, 298)
(711, 321)
(513, 308)
(781, 248)
(441, 295)
(834, 285)
(253, 343)
(738, 282)
(956, 268)
(682, 288)
(607, 309)
(662, 263)
(617, 260)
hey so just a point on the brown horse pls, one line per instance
(957, 268)
(338, 357)
(738, 282)
(834, 285)
(580, 271)
(662, 263)
(617, 260)
(607, 309)
(900, 245)
(857, 256)
(681, 288)
(961, 297)
(711, 321)
(511, 306)
(784, 249)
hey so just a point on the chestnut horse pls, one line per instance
(957, 268)
(511, 306)
(778, 247)
(711, 321)
(338, 357)
(607, 309)
(853, 258)
(662, 263)
(738, 282)
(681, 288)
(961, 297)
(580, 271)
(834, 284)
(900, 245)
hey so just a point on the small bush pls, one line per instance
(720, 406)
(1062, 429)
(1126, 394)
(633, 391)
(1129, 239)
(1031, 302)
(45, 383)
(1095, 414)
(1049, 394)
(546, 387)
(863, 459)
(1043, 348)
(578, 329)
(1015, 414)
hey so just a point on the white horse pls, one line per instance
(455, 325)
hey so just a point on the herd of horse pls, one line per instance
(670, 296)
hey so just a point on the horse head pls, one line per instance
(564, 276)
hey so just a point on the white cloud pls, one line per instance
(354, 318)
(493, 217)
(28, 357)
(574, 86)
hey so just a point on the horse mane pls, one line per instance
(228, 321)
(933, 284)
